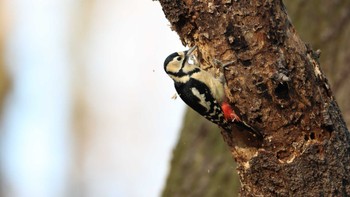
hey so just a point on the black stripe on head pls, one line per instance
(169, 58)
(181, 73)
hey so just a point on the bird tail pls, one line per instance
(249, 128)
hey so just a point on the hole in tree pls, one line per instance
(181, 22)
(318, 151)
(261, 87)
(329, 128)
(246, 63)
(282, 91)
(258, 119)
(312, 135)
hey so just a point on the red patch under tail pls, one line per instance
(229, 113)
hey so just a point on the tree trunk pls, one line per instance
(278, 88)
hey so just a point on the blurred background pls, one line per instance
(86, 107)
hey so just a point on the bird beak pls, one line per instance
(189, 52)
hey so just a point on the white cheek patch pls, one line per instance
(202, 98)
(188, 68)
(173, 67)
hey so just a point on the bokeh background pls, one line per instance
(86, 107)
(87, 110)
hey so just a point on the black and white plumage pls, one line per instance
(202, 91)
(198, 88)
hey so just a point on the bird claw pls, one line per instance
(234, 117)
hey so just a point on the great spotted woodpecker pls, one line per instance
(200, 90)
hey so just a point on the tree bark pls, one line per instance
(277, 86)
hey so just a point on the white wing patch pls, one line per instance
(201, 98)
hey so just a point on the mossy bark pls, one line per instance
(278, 87)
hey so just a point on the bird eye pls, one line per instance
(179, 58)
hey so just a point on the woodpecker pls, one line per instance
(200, 90)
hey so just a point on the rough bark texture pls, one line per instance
(326, 25)
(278, 87)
